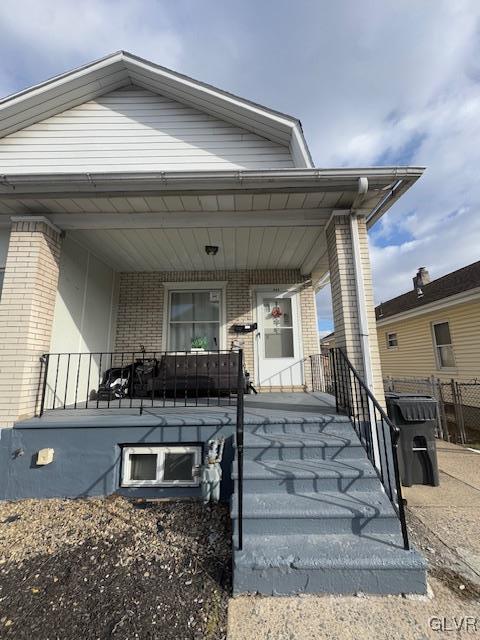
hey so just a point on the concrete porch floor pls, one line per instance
(259, 409)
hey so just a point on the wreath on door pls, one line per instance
(277, 312)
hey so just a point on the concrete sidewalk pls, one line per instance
(444, 525)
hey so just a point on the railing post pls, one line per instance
(239, 445)
(44, 360)
(394, 436)
(333, 363)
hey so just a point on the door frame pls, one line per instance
(294, 293)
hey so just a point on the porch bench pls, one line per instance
(195, 373)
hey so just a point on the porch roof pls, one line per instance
(161, 221)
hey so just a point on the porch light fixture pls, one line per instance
(211, 250)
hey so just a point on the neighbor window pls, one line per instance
(160, 466)
(194, 320)
(392, 341)
(443, 345)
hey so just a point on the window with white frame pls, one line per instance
(160, 466)
(443, 345)
(392, 341)
(194, 320)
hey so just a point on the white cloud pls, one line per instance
(372, 81)
(55, 36)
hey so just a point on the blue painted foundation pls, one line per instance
(87, 458)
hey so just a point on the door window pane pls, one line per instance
(277, 323)
(178, 466)
(279, 343)
(143, 466)
(277, 312)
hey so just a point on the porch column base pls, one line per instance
(26, 314)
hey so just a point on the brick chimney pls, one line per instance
(421, 279)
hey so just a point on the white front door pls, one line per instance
(278, 351)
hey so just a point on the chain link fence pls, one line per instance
(458, 415)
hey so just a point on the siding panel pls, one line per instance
(135, 129)
(415, 355)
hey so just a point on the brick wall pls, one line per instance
(344, 296)
(26, 315)
(142, 298)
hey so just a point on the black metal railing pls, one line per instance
(321, 373)
(335, 374)
(139, 380)
(239, 446)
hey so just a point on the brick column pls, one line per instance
(26, 314)
(310, 340)
(344, 296)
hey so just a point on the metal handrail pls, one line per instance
(239, 446)
(378, 435)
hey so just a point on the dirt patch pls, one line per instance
(444, 563)
(113, 568)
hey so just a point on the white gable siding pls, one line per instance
(134, 129)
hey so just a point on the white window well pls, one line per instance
(160, 466)
(392, 341)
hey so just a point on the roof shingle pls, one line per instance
(455, 282)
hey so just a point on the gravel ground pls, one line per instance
(113, 568)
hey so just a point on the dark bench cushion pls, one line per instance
(192, 371)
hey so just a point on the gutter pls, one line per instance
(313, 179)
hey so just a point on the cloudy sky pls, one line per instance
(374, 82)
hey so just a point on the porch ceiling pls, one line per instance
(183, 249)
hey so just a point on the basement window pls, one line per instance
(392, 341)
(160, 466)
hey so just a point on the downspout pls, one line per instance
(362, 311)
(359, 283)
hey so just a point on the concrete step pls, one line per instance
(303, 446)
(320, 512)
(307, 476)
(343, 564)
(327, 423)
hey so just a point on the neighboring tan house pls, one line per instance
(434, 329)
(327, 343)
(155, 234)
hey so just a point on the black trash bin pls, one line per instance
(415, 415)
